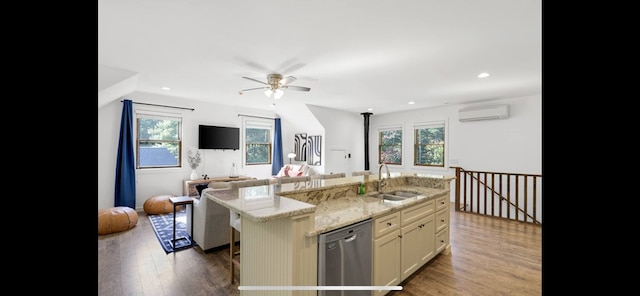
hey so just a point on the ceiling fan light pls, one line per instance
(268, 93)
(278, 94)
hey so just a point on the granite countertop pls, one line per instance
(337, 213)
(263, 203)
(259, 203)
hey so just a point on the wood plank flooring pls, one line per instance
(488, 257)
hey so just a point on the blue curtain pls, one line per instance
(125, 193)
(278, 163)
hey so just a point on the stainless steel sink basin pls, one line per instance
(403, 193)
(395, 196)
(386, 196)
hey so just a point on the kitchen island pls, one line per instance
(280, 224)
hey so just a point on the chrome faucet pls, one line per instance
(382, 183)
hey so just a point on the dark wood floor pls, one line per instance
(488, 257)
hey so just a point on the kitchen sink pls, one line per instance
(397, 196)
(386, 196)
(393, 197)
(403, 193)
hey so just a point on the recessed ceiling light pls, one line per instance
(370, 109)
(484, 75)
(165, 88)
(412, 102)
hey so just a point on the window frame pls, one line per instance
(425, 125)
(142, 114)
(268, 125)
(391, 128)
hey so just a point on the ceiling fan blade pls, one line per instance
(300, 88)
(264, 87)
(256, 80)
(287, 80)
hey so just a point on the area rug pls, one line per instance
(163, 227)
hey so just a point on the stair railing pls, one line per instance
(512, 196)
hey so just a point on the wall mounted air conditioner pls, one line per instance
(483, 113)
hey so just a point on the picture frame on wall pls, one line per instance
(314, 146)
(300, 146)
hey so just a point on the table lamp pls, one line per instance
(291, 155)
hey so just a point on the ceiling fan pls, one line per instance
(275, 84)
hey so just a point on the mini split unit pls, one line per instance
(484, 113)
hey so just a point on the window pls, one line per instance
(158, 140)
(390, 145)
(429, 144)
(258, 141)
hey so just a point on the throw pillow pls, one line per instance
(286, 170)
(281, 172)
(294, 173)
(200, 188)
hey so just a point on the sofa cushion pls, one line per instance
(218, 185)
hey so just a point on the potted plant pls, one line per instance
(194, 162)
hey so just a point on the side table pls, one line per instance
(178, 201)
(189, 186)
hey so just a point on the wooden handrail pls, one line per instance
(498, 195)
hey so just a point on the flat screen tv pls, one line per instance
(218, 137)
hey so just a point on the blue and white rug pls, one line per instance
(163, 227)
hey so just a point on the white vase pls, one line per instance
(234, 171)
(194, 175)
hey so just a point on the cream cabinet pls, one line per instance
(403, 241)
(442, 224)
(417, 244)
(386, 252)
(386, 261)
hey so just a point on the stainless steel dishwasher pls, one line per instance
(345, 259)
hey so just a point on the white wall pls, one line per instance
(512, 145)
(297, 118)
(342, 131)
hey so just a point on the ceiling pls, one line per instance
(353, 54)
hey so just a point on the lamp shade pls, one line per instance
(291, 155)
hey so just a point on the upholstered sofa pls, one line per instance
(295, 170)
(211, 220)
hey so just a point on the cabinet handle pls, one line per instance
(388, 223)
(442, 220)
(400, 236)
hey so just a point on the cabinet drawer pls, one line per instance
(442, 202)
(418, 211)
(386, 224)
(442, 240)
(442, 219)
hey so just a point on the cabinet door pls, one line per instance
(409, 249)
(426, 240)
(417, 245)
(386, 261)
